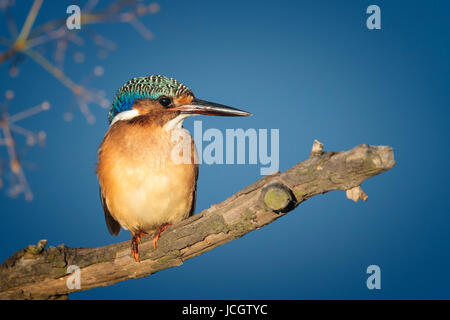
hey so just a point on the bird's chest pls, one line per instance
(147, 179)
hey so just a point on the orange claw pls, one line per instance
(158, 234)
(135, 249)
(134, 245)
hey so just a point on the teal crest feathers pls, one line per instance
(140, 88)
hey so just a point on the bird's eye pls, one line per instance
(164, 101)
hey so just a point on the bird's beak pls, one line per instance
(197, 106)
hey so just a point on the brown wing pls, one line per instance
(111, 223)
(194, 192)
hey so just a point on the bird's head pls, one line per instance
(164, 97)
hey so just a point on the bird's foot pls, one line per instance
(135, 249)
(135, 241)
(158, 234)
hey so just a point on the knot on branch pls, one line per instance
(356, 193)
(379, 157)
(278, 197)
(317, 149)
(36, 249)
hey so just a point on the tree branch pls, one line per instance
(36, 273)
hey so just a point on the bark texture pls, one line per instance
(39, 273)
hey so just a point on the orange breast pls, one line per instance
(143, 186)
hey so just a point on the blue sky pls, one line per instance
(308, 68)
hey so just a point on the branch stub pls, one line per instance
(277, 197)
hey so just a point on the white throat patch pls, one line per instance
(176, 122)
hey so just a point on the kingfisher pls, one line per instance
(147, 162)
